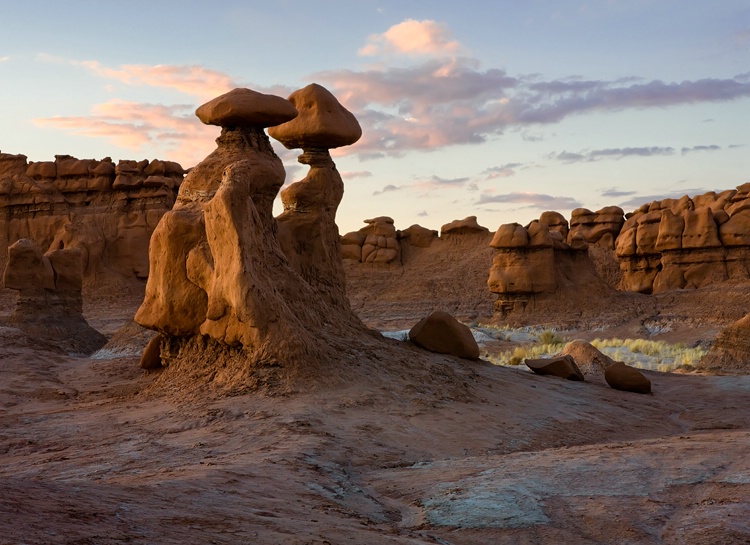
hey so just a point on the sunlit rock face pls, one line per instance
(376, 243)
(104, 209)
(686, 243)
(601, 226)
(225, 272)
(534, 261)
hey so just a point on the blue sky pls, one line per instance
(496, 109)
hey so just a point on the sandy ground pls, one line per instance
(97, 452)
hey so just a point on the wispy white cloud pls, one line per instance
(502, 171)
(611, 153)
(617, 193)
(539, 201)
(742, 37)
(5, 58)
(435, 182)
(711, 147)
(170, 129)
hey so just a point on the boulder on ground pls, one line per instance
(628, 379)
(590, 361)
(442, 333)
(559, 366)
(151, 357)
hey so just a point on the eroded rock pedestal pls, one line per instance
(50, 306)
(535, 261)
(233, 290)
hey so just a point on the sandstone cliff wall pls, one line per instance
(687, 243)
(106, 210)
(396, 276)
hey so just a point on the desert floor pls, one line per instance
(95, 451)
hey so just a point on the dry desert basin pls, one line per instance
(179, 366)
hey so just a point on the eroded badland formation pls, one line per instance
(179, 366)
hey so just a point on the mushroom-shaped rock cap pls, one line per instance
(322, 121)
(246, 108)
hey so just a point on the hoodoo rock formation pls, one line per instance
(395, 277)
(375, 243)
(49, 305)
(601, 226)
(535, 262)
(308, 233)
(106, 210)
(686, 243)
(232, 288)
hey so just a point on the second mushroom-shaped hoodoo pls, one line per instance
(307, 227)
(225, 296)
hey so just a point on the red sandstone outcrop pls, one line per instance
(686, 243)
(230, 281)
(442, 333)
(590, 361)
(106, 210)
(49, 304)
(558, 366)
(731, 349)
(602, 226)
(533, 261)
(418, 236)
(381, 243)
(378, 242)
(466, 226)
(628, 379)
(394, 290)
(308, 233)
(540, 278)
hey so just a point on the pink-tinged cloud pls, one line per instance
(412, 37)
(192, 80)
(349, 174)
(443, 102)
(172, 131)
(742, 37)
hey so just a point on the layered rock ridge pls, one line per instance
(233, 289)
(687, 243)
(106, 210)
